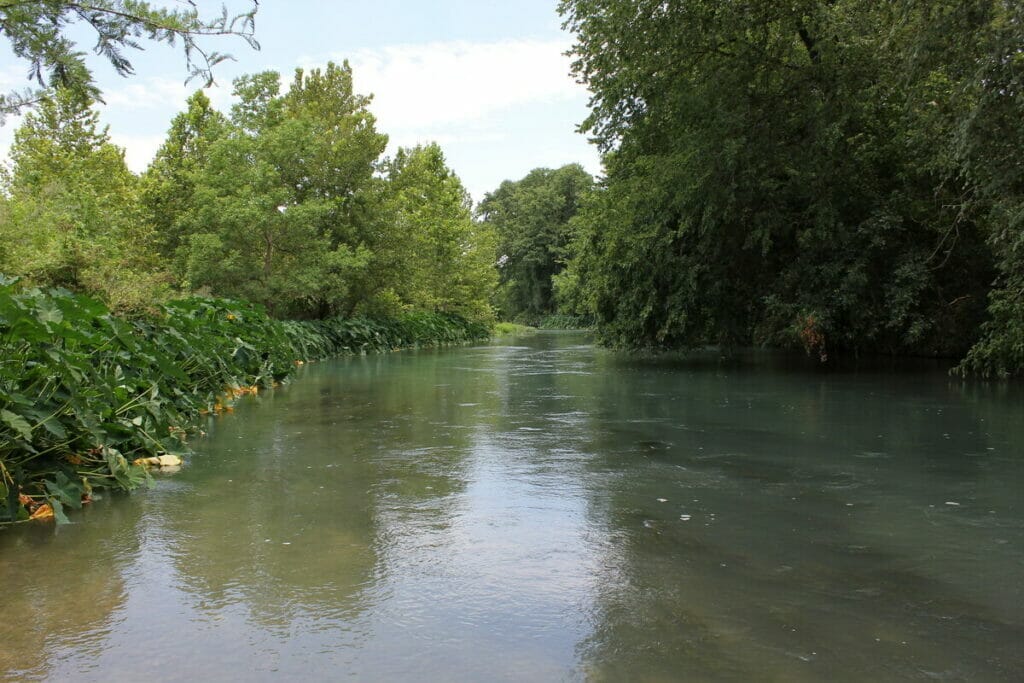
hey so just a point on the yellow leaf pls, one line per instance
(43, 512)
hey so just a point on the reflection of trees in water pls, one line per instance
(807, 550)
(294, 486)
(52, 597)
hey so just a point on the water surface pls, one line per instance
(544, 510)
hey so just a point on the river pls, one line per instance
(540, 509)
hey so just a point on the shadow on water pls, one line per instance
(808, 526)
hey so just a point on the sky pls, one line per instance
(488, 80)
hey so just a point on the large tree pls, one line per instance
(168, 185)
(287, 202)
(782, 173)
(276, 214)
(440, 259)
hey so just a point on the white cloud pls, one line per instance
(411, 138)
(146, 93)
(139, 150)
(487, 104)
(497, 108)
(431, 85)
(159, 94)
(140, 111)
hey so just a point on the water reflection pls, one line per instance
(800, 526)
(52, 593)
(544, 510)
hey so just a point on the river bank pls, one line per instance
(84, 392)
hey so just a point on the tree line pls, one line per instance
(286, 200)
(836, 176)
(833, 175)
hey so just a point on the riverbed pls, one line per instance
(542, 509)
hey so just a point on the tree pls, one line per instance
(989, 137)
(532, 219)
(778, 173)
(168, 185)
(38, 32)
(72, 217)
(439, 259)
(276, 215)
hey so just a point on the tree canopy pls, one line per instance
(274, 212)
(532, 219)
(819, 174)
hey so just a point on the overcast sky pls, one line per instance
(488, 80)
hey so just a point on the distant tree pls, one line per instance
(39, 34)
(532, 219)
(442, 261)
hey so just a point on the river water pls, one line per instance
(540, 509)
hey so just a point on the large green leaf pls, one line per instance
(17, 423)
(47, 312)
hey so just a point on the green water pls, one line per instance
(544, 510)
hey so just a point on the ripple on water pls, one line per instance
(546, 512)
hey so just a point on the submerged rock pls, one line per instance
(162, 461)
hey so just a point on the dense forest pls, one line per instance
(836, 175)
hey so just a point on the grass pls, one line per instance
(508, 329)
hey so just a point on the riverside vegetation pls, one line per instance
(839, 176)
(833, 176)
(107, 354)
(86, 393)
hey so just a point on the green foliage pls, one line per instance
(532, 219)
(168, 185)
(438, 259)
(784, 174)
(39, 33)
(502, 329)
(288, 203)
(71, 215)
(561, 321)
(275, 212)
(989, 140)
(84, 392)
(374, 335)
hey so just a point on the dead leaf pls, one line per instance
(43, 512)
